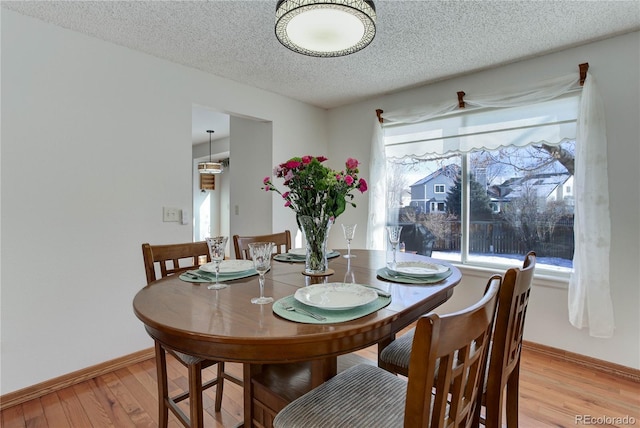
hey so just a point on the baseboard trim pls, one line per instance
(36, 391)
(56, 384)
(585, 361)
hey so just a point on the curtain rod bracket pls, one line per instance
(583, 72)
(379, 114)
(461, 104)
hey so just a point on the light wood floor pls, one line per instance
(553, 393)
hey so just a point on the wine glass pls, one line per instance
(394, 237)
(261, 253)
(349, 230)
(349, 277)
(217, 246)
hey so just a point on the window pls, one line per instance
(504, 190)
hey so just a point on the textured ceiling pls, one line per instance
(417, 42)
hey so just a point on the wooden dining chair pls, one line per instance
(173, 259)
(504, 358)
(241, 243)
(452, 348)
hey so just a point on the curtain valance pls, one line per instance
(550, 122)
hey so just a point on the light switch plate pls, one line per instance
(171, 214)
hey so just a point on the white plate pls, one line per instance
(229, 266)
(335, 296)
(302, 252)
(418, 269)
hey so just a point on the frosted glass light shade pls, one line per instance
(326, 28)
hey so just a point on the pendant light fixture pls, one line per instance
(210, 167)
(325, 28)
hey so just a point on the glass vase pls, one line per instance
(316, 233)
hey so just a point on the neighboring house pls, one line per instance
(548, 188)
(563, 192)
(429, 194)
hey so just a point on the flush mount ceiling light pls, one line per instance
(210, 167)
(325, 28)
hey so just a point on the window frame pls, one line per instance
(554, 272)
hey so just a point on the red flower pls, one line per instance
(362, 185)
(292, 164)
(314, 189)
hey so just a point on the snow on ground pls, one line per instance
(548, 263)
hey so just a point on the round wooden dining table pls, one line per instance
(282, 359)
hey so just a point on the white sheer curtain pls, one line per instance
(589, 297)
(377, 190)
(589, 293)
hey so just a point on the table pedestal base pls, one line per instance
(279, 384)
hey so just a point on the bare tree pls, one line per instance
(533, 219)
(562, 155)
(439, 224)
(397, 183)
(484, 160)
(537, 157)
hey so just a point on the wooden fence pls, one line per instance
(498, 237)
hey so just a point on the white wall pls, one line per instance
(615, 65)
(251, 151)
(96, 139)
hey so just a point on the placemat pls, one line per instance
(331, 316)
(286, 257)
(221, 278)
(384, 274)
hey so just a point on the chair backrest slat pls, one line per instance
(281, 240)
(173, 258)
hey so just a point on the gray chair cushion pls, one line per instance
(363, 396)
(398, 352)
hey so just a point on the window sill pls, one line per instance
(542, 277)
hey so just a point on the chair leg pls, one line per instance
(219, 386)
(163, 390)
(195, 395)
(512, 397)
(493, 404)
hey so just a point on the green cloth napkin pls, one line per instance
(286, 257)
(405, 279)
(221, 278)
(331, 316)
